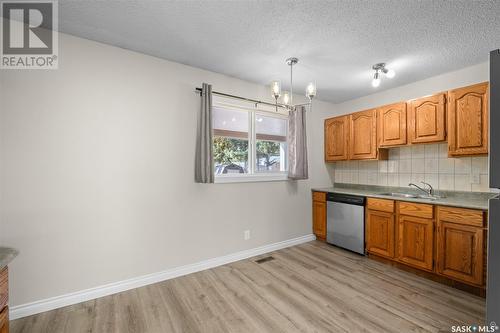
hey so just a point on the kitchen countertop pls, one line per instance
(474, 200)
(7, 254)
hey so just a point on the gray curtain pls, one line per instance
(204, 166)
(297, 144)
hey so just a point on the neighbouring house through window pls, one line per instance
(249, 145)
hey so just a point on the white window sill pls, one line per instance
(250, 178)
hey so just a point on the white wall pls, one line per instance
(463, 77)
(420, 162)
(97, 173)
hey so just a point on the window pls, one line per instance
(249, 145)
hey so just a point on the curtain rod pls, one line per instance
(243, 98)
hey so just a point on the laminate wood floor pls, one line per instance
(312, 287)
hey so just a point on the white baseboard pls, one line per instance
(29, 309)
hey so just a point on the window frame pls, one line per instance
(252, 175)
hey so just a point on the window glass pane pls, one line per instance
(271, 149)
(270, 128)
(230, 155)
(227, 122)
(230, 143)
(270, 156)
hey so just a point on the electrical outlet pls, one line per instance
(246, 234)
(475, 179)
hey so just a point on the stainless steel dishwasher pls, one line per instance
(345, 226)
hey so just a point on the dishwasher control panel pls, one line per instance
(346, 198)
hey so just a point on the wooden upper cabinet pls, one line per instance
(460, 244)
(336, 138)
(468, 120)
(427, 119)
(392, 125)
(363, 135)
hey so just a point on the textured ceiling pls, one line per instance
(337, 42)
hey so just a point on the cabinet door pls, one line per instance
(4, 287)
(319, 219)
(380, 233)
(460, 252)
(4, 320)
(427, 119)
(468, 120)
(392, 125)
(415, 241)
(336, 138)
(363, 135)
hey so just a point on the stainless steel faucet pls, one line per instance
(429, 191)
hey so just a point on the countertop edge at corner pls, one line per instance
(472, 200)
(7, 254)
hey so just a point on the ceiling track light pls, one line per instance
(380, 68)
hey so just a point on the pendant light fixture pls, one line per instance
(287, 100)
(381, 69)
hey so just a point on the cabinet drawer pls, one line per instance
(462, 216)
(319, 196)
(415, 209)
(380, 205)
(4, 287)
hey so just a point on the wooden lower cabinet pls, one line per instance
(446, 244)
(416, 241)
(319, 215)
(4, 320)
(460, 249)
(4, 298)
(380, 233)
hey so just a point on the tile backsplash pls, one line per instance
(429, 163)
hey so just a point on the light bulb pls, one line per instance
(276, 89)
(376, 80)
(311, 90)
(286, 97)
(259, 119)
(390, 73)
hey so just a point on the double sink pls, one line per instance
(412, 196)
